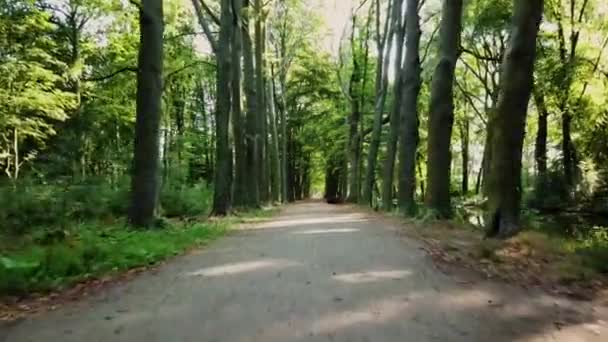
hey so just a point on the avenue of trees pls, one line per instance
(178, 108)
(500, 104)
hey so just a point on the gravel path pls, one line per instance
(315, 273)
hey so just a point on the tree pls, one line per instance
(145, 179)
(241, 178)
(408, 132)
(441, 116)
(260, 85)
(384, 38)
(251, 128)
(223, 171)
(30, 102)
(389, 161)
(510, 118)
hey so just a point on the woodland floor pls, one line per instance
(315, 273)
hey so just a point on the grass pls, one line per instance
(55, 260)
(49, 259)
(531, 256)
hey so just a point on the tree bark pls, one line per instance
(464, 140)
(354, 139)
(540, 149)
(408, 127)
(275, 175)
(389, 162)
(260, 94)
(223, 158)
(384, 44)
(510, 121)
(441, 117)
(241, 174)
(145, 180)
(252, 135)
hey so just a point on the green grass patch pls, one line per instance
(51, 260)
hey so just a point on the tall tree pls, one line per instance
(540, 149)
(260, 45)
(146, 168)
(389, 161)
(241, 177)
(384, 38)
(252, 132)
(441, 115)
(568, 43)
(223, 158)
(510, 119)
(408, 127)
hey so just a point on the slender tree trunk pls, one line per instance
(408, 127)
(568, 150)
(540, 150)
(275, 168)
(252, 134)
(441, 117)
(479, 177)
(241, 179)
(384, 47)
(510, 120)
(260, 94)
(145, 180)
(464, 140)
(223, 158)
(284, 140)
(353, 121)
(389, 162)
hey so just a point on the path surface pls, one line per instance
(315, 273)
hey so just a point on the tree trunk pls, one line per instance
(464, 140)
(145, 180)
(540, 149)
(441, 115)
(275, 168)
(408, 127)
(241, 179)
(223, 159)
(260, 94)
(510, 121)
(252, 135)
(568, 150)
(384, 48)
(389, 162)
(284, 160)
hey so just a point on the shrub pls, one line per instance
(180, 200)
(28, 207)
(94, 251)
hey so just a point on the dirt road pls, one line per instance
(315, 273)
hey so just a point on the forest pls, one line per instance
(129, 129)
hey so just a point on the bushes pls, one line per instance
(94, 250)
(28, 207)
(181, 201)
(594, 250)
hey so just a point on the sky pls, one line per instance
(336, 14)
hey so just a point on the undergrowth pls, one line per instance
(56, 259)
(54, 235)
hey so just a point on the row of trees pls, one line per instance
(166, 93)
(477, 67)
(423, 99)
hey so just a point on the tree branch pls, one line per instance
(209, 12)
(205, 25)
(478, 56)
(185, 67)
(119, 71)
